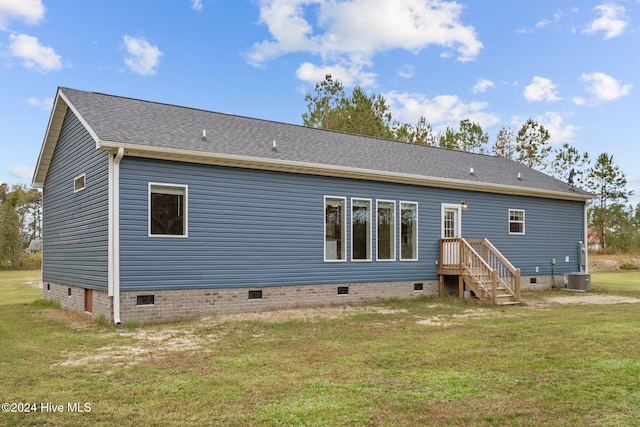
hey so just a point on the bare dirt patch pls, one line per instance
(584, 299)
(312, 313)
(616, 262)
(34, 284)
(157, 342)
(73, 319)
(454, 319)
(148, 345)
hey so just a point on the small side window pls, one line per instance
(516, 221)
(79, 183)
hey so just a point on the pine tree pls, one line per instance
(532, 145)
(607, 182)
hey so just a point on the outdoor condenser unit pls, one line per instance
(579, 281)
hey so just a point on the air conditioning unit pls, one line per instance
(579, 281)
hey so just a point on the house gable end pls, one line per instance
(75, 218)
(52, 134)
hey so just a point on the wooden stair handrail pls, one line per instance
(514, 271)
(471, 261)
(498, 254)
(510, 280)
(482, 255)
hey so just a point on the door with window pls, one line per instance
(451, 228)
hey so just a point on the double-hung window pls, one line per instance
(360, 229)
(386, 230)
(334, 228)
(167, 210)
(516, 221)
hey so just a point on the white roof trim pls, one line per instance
(136, 150)
(89, 129)
(53, 133)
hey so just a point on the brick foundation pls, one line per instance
(73, 298)
(541, 282)
(177, 304)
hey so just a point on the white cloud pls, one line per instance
(351, 76)
(441, 111)
(541, 89)
(196, 5)
(34, 55)
(142, 57)
(559, 131)
(612, 21)
(46, 103)
(605, 87)
(578, 100)
(482, 85)
(29, 11)
(557, 16)
(352, 32)
(21, 171)
(406, 72)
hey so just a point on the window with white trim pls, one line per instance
(334, 228)
(386, 230)
(167, 210)
(516, 221)
(360, 229)
(79, 183)
(408, 231)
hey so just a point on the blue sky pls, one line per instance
(570, 65)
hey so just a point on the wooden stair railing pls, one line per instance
(483, 268)
(478, 275)
(508, 275)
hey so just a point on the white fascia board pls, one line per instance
(232, 160)
(50, 140)
(52, 134)
(89, 129)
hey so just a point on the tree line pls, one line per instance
(614, 223)
(20, 223)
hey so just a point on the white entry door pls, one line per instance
(451, 228)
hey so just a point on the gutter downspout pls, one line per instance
(115, 237)
(586, 237)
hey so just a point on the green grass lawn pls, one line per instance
(623, 282)
(13, 289)
(433, 361)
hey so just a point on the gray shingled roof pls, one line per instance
(155, 125)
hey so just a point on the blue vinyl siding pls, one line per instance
(75, 224)
(553, 229)
(251, 228)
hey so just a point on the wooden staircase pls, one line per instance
(481, 269)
